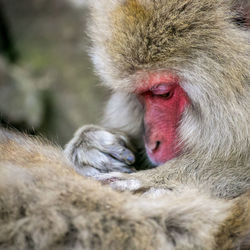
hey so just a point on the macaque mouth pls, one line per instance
(164, 101)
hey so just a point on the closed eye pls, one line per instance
(165, 91)
(167, 95)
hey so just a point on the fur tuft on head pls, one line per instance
(136, 35)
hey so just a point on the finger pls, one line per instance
(120, 153)
(102, 162)
(121, 169)
(103, 139)
(112, 144)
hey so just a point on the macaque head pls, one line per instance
(187, 62)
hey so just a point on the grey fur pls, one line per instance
(95, 150)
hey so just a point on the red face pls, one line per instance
(164, 101)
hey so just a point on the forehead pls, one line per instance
(152, 34)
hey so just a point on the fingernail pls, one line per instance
(128, 157)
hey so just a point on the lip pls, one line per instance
(151, 157)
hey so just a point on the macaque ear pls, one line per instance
(242, 10)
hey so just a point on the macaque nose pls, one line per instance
(154, 146)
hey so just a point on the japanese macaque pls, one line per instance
(180, 75)
(179, 71)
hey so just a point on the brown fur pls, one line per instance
(236, 227)
(44, 204)
(166, 34)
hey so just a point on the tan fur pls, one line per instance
(44, 204)
(199, 42)
(164, 34)
(233, 229)
(199, 200)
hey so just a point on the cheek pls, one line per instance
(161, 122)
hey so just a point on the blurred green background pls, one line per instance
(47, 84)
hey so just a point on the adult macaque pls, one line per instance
(179, 70)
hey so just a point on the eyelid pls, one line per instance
(161, 89)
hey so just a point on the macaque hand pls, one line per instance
(94, 150)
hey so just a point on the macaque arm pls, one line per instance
(124, 113)
(107, 148)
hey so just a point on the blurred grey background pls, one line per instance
(47, 84)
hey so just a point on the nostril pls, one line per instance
(154, 146)
(157, 145)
